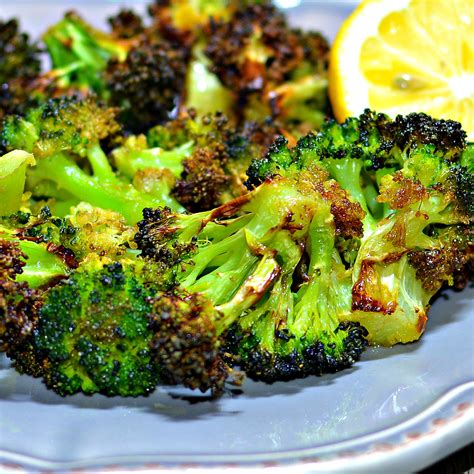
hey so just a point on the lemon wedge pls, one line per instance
(406, 56)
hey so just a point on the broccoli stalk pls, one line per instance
(76, 46)
(12, 179)
(40, 266)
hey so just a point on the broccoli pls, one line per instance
(73, 43)
(43, 262)
(183, 19)
(207, 156)
(411, 177)
(149, 84)
(92, 332)
(18, 303)
(20, 65)
(244, 259)
(126, 24)
(12, 179)
(85, 232)
(271, 69)
(63, 133)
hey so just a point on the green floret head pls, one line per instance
(93, 331)
(64, 124)
(278, 158)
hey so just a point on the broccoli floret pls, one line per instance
(93, 332)
(62, 134)
(295, 330)
(126, 24)
(246, 266)
(208, 155)
(149, 84)
(85, 232)
(408, 176)
(20, 64)
(271, 69)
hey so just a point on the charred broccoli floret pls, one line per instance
(207, 156)
(20, 64)
(126, 24)
(247, 267)
(149, 84)
(272, 69)
(410, 175)
(63, 134)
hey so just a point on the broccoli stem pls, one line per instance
(347, 172)
(118, 197)
(250, 292)
(12, 180)
(100, 164)
(129, 162)
(41, 266)
(201, 84)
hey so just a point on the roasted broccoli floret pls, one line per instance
(411, 177)
(126, 24)
(64, 135)
(247, 267)
(271, 69)
(149, 84)
(20, 64)
(92, 333)
(207, 156)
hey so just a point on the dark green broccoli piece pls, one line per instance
(149, 84)
(20, 64)
(66, 131)
(126, 24)
(93, 332)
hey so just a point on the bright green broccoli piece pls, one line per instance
(65, 131)
(411, 177)
(93, 332)
(246, 261)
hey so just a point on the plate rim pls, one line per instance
(414, 442)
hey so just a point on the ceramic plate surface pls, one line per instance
(398, 409)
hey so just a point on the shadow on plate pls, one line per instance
(176, 403)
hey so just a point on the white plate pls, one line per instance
(397, 409)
